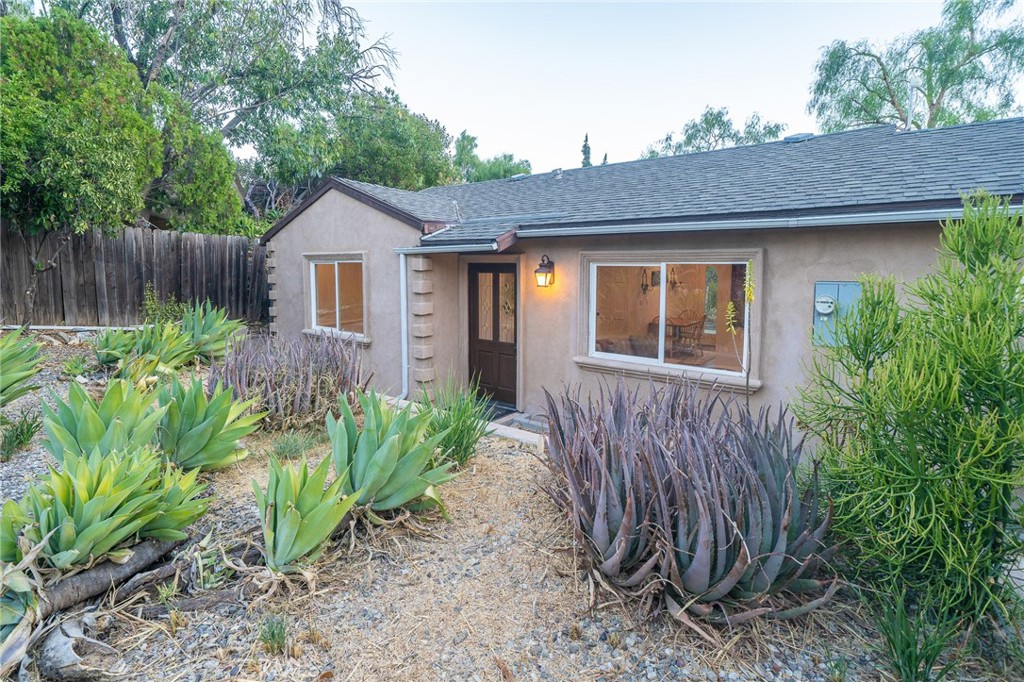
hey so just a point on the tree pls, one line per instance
(471, 168)
(960, 71)
(604, 161)
(586, 151)
(79, 144)
(714, 129)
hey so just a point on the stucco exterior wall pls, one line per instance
(553, 320)
(338, 224)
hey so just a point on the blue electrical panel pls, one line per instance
(832, 299)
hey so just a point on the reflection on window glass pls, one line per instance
(338, 296)
(350, 296)
(326, 303)
(696, 297)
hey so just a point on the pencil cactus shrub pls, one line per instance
(200, 431)
(389, 461)
(209, 330)
(113, 346)
(690, 503)
(19, 362)
(96, 505)
(124, 419)
(299, 514)
(919, 407)
(294, 380)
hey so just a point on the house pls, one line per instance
(636, 269)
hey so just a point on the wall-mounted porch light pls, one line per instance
(545, 273)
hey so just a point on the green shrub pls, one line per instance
(19, 362)
(209, 330)
(461, 414)
(75, 366)
(293, 444)
(197, 431)
(113, 346)
(915, 640)
(123, 420)
(274, 634)
(17, 434)
(99, 503)
(387, 464)
(688, 502)
(298, 514)
(919, 406)
(159, 312)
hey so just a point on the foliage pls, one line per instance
(919, 406)
(75, 366)
(913, 642)
(299, 514)
(586, 151)
(292, 444)
(113, 346)
(78, 144)
(386, 464)
(274, 634)
(714, 129)
(962, 70)
(124, 420)
(19, 359)
(294, 380)
(160, 311)
(19, 586)
(159, 350)
(17, 434)
(471, 168)
(98, 503)
(202, 432)
(692, 502)
(461, 415)
(209, 330)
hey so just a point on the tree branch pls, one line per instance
(118, 19)
(165, 41)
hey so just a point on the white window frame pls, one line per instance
(662, 298)
(335, 260)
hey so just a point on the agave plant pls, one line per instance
(209, 329)
(298, 514)
(113, 346)
(19, 362)
(125, 419)
(164, 348)
(19, 589)
(95, 504)
(388, 461)
(202, 432)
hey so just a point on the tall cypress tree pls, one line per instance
(586, 151)
(604, 161)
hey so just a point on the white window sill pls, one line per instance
(637, 370)
(363, 341)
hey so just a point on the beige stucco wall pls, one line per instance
(552, 322)
(338, 224)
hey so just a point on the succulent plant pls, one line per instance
(162, 348)
(200, 431)
(113, 346)
(388, 461)
(298, 513)
(209, 329)
(125, 419)
(19, 362)
(96, 504)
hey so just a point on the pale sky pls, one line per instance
(531, 78)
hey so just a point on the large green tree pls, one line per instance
(962, 70)
(714, 129)
(471, 168)
(79, 144)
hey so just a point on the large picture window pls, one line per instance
(337, 292)
(691, 314)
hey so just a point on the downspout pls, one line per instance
(403, 305)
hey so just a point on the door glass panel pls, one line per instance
(485, 311)
(326, 312)
(507, 311)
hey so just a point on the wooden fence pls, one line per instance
(100, 280)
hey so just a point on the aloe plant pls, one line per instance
(388, 461)
(113, 346)
(19, 362)
(209, 330)
(125, 419)
(97, 504)
(202, 432)
(298, 514)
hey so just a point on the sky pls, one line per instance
(532, 78)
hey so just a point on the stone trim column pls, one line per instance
(421, 310)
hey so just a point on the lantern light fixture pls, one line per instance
(545, 273)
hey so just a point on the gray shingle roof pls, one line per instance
(426, 207)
